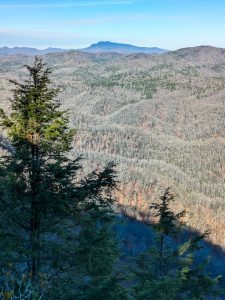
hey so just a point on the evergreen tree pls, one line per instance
(102, 280)
(168, 223)
(33, 182)
(170, 271)
(48, 213)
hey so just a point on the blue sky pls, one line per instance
(168, 24)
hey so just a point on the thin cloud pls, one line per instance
(37, 33)
(124, 18)
(68, 5)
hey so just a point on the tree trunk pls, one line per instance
(161, 245)
(35, 215)
(161, 254)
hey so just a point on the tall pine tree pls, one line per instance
(43, 202)
(169, 270)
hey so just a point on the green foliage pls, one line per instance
(172, 271)
(99, 262)
(165, 288)
(35, 118)
(169, 222)
(54, 222)
(36, 177)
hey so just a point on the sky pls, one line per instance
(73, 24)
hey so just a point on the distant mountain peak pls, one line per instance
(107, 46)
(104, 43)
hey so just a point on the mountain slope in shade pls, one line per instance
(121, 48)
(5, 51)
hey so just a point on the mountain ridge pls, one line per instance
(107, 46)
(5, 51)
(116, 48)
(100, 47)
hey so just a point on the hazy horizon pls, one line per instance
(86, 46)
(167, 24)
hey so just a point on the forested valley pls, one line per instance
(112, 176)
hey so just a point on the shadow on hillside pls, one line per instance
(138, 236)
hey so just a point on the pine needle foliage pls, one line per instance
(171, 270)
(47, 209)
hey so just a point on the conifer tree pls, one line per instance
(170, 271)
(168, 223)
(32, 180)
(43, 202)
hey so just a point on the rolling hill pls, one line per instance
(159, 117)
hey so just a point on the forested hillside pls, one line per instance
(62, 234)
(160, 118)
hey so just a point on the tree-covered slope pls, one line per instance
(160, 117)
